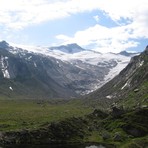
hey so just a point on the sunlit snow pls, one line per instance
(4, 65)
(11, 88)
(86, 56)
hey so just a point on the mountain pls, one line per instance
(69, 48)
(125, 53)
(55, 72)
(129, 88)
(31, 76)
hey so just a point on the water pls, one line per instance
(55, 146)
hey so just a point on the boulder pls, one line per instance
(106, 135)
(118, 137)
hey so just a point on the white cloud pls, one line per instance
(18, 14)
(105, 39)
(132, 21)
(21, 13)
(26, 12)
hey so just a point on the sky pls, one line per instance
(101, 25)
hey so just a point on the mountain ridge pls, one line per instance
(73, 74)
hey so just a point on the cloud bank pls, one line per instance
(131, 18)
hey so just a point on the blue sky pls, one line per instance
(101, 25)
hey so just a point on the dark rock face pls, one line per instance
(4, 44)
(106, 136)
(136, 132)
(116, 112)
(136, 124)
(99, 114)
(126, 53)
(118, 137)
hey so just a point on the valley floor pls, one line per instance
(31, 114)
(59, 121)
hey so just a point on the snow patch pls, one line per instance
(4, 67)
(115, 71)
(6, 58)
(93, 87)
(29, 57)
(109, 97)
(79, 67)
(11, 88)
(126, 84)
(6, 74)
(141, 63)
(35, 65)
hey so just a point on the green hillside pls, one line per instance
(128, 89)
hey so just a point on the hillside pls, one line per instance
(27, 75)
(129, 88)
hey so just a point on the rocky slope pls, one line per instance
(31, 76)
(130, 87)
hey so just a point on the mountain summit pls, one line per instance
(69, 48)
(4, 44)
(125, 53)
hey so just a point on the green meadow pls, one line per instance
(30, 114)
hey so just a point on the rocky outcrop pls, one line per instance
(117, 112)
(66, 131)
(77, 130)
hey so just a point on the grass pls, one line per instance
(136, 143)
(66, 126)
(94, 137)
(22, 114)
(135, 99)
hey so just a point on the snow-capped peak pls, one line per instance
(69, 48)
(88, 66)
(4, 44)
(73, 52)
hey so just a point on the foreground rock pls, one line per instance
(131, 124)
